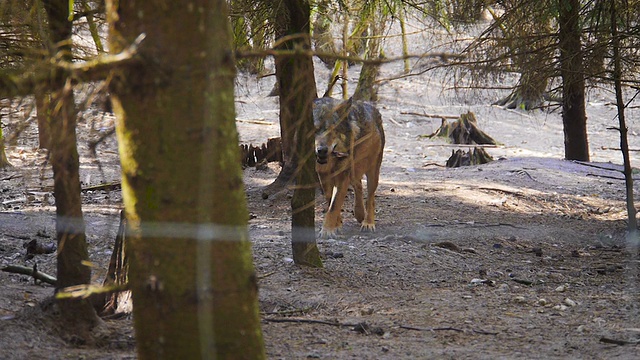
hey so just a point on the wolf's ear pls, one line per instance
(343, 109)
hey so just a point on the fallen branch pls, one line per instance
(308, 321)
(607, 340)
(33, 272)
(257, 122)
(617, 149)
(462, 145)
(433, 116)
(106, 186)
(407, 327)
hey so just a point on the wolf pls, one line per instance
(349, 142)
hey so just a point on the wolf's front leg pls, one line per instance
(333, 217)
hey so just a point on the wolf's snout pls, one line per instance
(322, 152)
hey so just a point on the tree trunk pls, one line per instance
(78, 316)
(367, 89)
(297, 91)
(574, 117)
(4, 162)
(117, 275)
(322, 36)
(191, 272)
(43, 99)
(632, 222)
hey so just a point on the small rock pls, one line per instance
(366, 311)
(543, 302)
(560, 307)
(561, 288)
(569, 302)
(503, 288)
(519, 300)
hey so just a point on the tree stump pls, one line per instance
(465, 131)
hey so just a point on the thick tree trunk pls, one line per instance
(191, 272)
(574, 116)
(78, 315)
(297, 91)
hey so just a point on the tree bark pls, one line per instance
(43, 100)
(78, 316)
(191, 273)
(574, 116)
(4, 162)
(297, 91)
(632, 222)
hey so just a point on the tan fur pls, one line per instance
(354, 151)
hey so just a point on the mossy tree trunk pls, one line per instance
(78, 316)
(191, 272)
(297, 91)
(367, 89)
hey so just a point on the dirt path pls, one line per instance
(522, 258)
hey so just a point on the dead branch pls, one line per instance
(33, 272)
(85, 291)
(433, 116)
(308, 321)
(442, 56)
(416, 328)
(257, 122)
(617, 149)
(93, 144)
(22, 82)
(106, 186)
(607, 340)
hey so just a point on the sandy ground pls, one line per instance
(524, 257)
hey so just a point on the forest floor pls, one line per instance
(521, 258)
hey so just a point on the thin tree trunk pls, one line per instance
(284, 76)
(574, 116)
(43, 114)
(4, 162)
(297, 91)
(78, 316)
(632, 222)
(191, 273)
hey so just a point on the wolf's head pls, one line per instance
(330, 118)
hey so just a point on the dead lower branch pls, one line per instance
(443, 57)
(22, 82)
